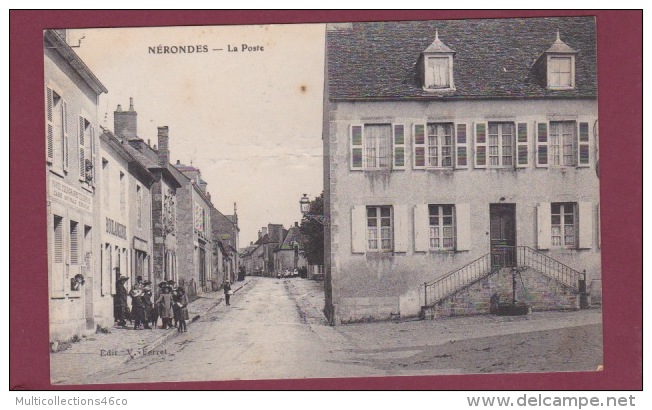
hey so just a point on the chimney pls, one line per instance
(163, 147)
(260, 234)
(125, 122)
(264, 229)
(296, 224)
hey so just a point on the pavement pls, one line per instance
(102, 351)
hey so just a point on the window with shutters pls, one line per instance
(106, 183)
(85, 136)
(379, 228)
(563, 224)
(442, 227)
(438, 72)
(56, 130)
(440, 146)
(377, 146)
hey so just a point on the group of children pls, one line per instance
(172, 303)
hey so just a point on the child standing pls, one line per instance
(181, 309)
(164, 303)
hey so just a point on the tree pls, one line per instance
(312, 232)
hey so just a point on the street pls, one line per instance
(274, 329)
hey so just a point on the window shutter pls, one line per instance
(463, 226)
(49, 130)
(522, 158)
(359, 229)
(356, 146)
(543, 225)
(419, 146)
(82, 156)
(398, 140)
(58, 274)
(542, 144)
(93, 154)
(461, 146)
(400, 228)
(585, 225)
(480, 144)
(66, 143)
(421, 228)
(599, 228)
(583, 145)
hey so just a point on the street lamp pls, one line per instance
(305, 204)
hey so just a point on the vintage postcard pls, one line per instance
(323, 200)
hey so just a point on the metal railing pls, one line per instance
(500, 257)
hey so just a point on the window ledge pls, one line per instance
(560, 88)
(439, 90)
(58, 171)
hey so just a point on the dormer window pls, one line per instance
(560, 63)
(438, 66)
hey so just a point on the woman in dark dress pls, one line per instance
(147, 302)
(120, 300)
(137, 308)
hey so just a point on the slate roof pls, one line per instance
(293, 235)
(494, 58)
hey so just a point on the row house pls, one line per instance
(458, 153)
(289, 255)
(196, 243)
(125, 210)
(227, 234)
(73, 226)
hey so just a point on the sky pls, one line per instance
(249, 120)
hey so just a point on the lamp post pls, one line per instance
(304, 203)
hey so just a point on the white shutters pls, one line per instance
(543, 225)
(49, 127)
(358, 229)
(480, 134)
(398, 146)
(57, 278)
(522, 158)
(93, 155)
(463, 226)
(66, 142)
(400, 228)
(421, 228)
(356, 146)
(542, 144)
(583, 145)
(461, 146)
(585, 218)
(82, 148)
(419, 146)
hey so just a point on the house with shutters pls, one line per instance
(459, 155)
(73, 226)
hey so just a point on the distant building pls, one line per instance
(227, 233)
(164, 224)
(196, 243)
(289, 255)
(454, 152)
(77, 301)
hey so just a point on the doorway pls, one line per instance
(502, 232)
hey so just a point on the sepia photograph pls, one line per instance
(336, 200)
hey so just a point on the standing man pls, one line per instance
(120, 299)
(227, 292)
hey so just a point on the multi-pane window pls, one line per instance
(561, 146)
(442, 227)
(440, 145)
(501, 145)
(560, 73)
(379, 228)
(378, 146)
(563, 224)
(56, 130)
(123, 195)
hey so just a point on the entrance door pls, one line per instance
(503, 234)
